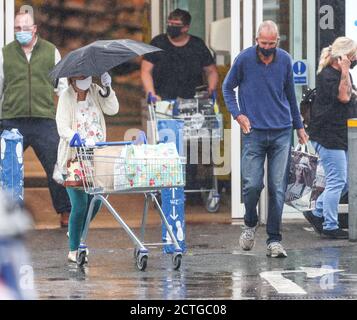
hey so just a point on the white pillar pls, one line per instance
(209, 17)
(297, 31)
(219, 9)
(2, 23)
(263, 201)
(155, 18)
(9, 21)
(259, 12)
(237, 207)
(311, 42)
(248, 40)
(247, 23)
(220, 15)
(7, 13)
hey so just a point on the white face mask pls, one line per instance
(84, 84)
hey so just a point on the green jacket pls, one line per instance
(28, 90)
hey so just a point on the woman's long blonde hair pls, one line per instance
(341, 46)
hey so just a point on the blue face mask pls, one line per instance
(24, 37)
(267, 52)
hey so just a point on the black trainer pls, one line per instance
(315, 222)
(335, 234)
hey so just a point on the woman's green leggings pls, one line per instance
(80, 202)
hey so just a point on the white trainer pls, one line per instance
(276, 250)
(72, 256)
(247, 238)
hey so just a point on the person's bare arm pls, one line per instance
(303, 136)
(147, 79)
(212, 77)
(345, 88)
(244, 123)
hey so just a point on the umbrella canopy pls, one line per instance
(99, 57)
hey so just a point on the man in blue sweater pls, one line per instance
(267, 114)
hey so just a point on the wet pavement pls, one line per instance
(213, 267)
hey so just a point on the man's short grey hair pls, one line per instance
(268, 25)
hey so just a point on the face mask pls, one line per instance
(84, 84)
(267, 52)
(353, 64)
(174, 31)
(24, 37)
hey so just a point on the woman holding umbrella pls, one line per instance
(81, 107)
(81, 110)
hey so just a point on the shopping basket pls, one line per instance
(108, 170)
(203, 127)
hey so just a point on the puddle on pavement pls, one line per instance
(119, 279)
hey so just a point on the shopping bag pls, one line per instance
(75, 174)
(104, 166)
(148, 166)
(319, 184)
(305, 180)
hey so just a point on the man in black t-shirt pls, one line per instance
(178, 69)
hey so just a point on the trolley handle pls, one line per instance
(77, 142)
(151, 99)
(114, 143)
(214, 96)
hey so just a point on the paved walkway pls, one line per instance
(213, 268)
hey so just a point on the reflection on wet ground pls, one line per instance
(218, 270)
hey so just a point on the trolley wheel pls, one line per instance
(141, 261)
(81, 258)
(136, 252)
(212, 202)
(176, 260)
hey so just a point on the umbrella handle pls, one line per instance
(106, 94)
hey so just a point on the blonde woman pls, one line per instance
(335, 97)
(81, 110)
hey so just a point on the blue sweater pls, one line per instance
(266, 93)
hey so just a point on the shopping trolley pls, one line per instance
(104, 175)
(203, 124)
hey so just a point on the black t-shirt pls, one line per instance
(329, 116)
(178, 70)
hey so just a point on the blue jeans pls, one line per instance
(276, 146)
(42, 136)
(335, 166)
(80, 201)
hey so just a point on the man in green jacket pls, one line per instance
(27, 100)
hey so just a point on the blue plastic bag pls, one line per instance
(12, 165)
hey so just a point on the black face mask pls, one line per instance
(353, 64)
(267, 52)
(174, 31)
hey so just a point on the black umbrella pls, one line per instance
(99, 57)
